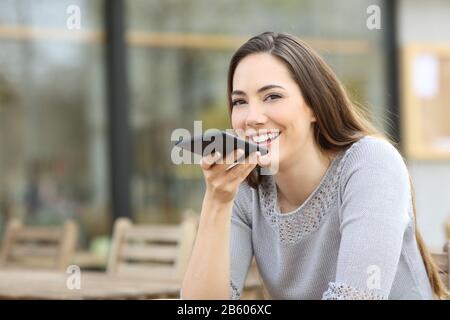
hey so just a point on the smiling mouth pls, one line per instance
(265, 139)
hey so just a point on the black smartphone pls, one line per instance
(219, 141)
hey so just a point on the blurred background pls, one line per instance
(87, 106)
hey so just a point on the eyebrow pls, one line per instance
(265, 88)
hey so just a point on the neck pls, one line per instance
(299, 178)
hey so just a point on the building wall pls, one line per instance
(428, 21)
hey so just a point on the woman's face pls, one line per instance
(266, 98)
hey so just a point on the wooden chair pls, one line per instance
(37, 246)
(442, 260)
(152, 251)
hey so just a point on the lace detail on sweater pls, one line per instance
(295, 225)
(234, 292)
(342, 291)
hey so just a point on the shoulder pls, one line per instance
(375, 153)
(372, 157)
(372, 150)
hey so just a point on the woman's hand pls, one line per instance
(222, 184)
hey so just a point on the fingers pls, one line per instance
(233, 157)
(244, 168)
(207, 161)
(230, 161)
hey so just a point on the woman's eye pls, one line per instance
(238, 102)
(273, 97)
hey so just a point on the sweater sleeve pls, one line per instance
(241, 250)
(374, 215)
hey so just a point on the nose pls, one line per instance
(255, 116)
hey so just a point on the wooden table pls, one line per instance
(41, 284)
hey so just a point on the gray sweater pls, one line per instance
(353, 237)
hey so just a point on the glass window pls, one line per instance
(178, 57)
(53, 142)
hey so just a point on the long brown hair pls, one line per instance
(340, 122)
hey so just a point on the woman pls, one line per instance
(336, 221)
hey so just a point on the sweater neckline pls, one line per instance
(273, 193)
(312, 194)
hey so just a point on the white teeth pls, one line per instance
(264, 137)
(261, 138)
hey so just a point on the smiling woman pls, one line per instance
(336, 221)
